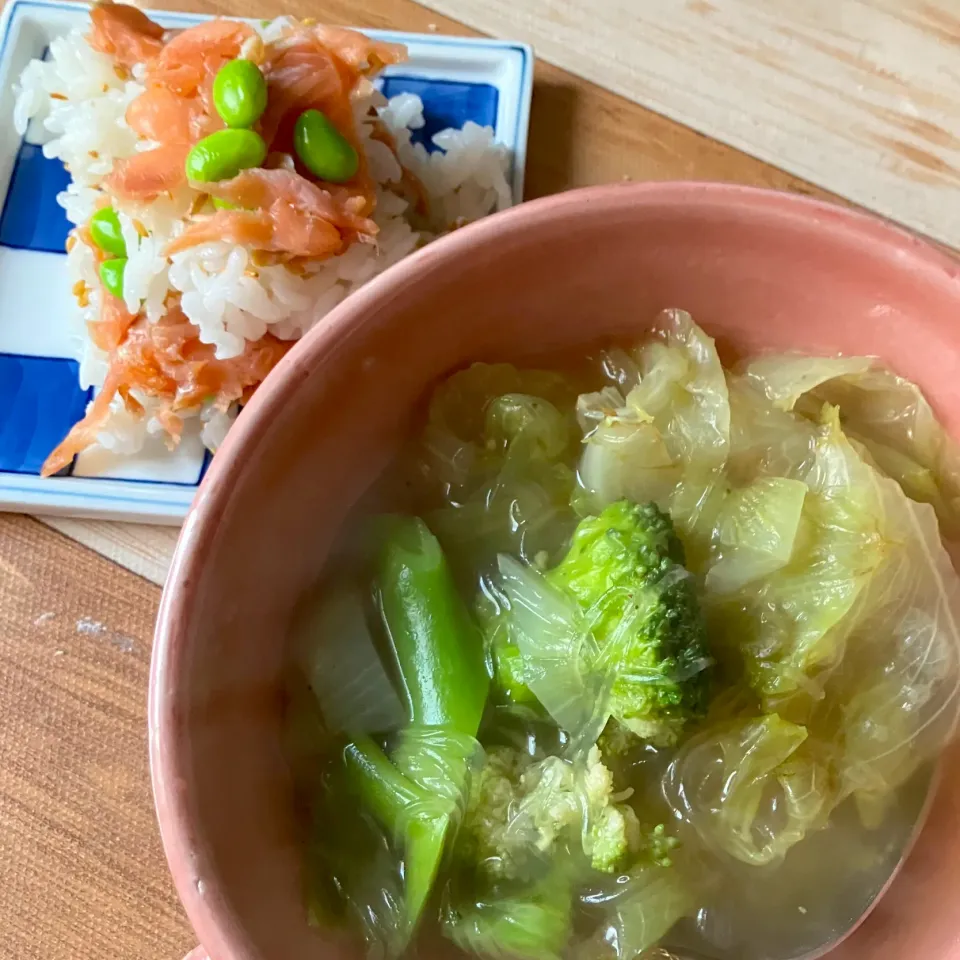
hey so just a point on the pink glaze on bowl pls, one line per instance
(758, 270)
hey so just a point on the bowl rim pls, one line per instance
(203, 902)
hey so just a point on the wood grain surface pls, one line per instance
(82, 875)
(580, 134)
(858, 96)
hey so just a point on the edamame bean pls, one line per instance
(223, 154)
(240, 93)
(324, 150)
(111, 273)
(106, 232)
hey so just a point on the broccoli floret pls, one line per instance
(655, 847)
(521, 810)
(625, 567)
(625, 571)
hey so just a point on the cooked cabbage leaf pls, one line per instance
(497, 459)
(625, 455)
(790, 626)
(884, 412)
(555, 650)
(894, 703)
(668, 431)
(765, 441)
(637, 911)
(755, 533)
(748, 788)
(785, 378)
(893, 420)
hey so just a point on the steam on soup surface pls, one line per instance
(647, 653)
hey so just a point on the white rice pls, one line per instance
(223, 291)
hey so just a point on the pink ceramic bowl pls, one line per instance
(759, 270)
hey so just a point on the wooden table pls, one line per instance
(82, 873)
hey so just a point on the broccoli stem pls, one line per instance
(435, 644)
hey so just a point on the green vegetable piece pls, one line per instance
(111, 274)
(386, 792)
(324, 150)
(240, 93)
(439, 660)
(106, 233)
(521, 811)
(436, 647)
(223, 204)
(642, 908)
(626, 567)
(529, 921)
(614, 629)
(223, 154)
(408, 811)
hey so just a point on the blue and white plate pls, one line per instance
(458, 79)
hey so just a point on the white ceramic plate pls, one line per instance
(459, 79)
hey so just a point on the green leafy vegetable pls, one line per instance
(756, 531)
(765, 441)
(499, 453)
(532, 921)
(747, 788)
(670, 430)
(886, 413)
(550, 651)
(792, 625)
(785, 378)
(637, 911)
(893, 420)
(893, 703)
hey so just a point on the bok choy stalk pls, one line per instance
(417, 791)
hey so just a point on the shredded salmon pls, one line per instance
(190, 61)
(125, 33)
(166, 360)
(146, 175)
(281, 212)
(161, 115)
(283, 215)
(84, 433)
(307, 74)
(115, 320)
(176, 109)
(358, 51)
